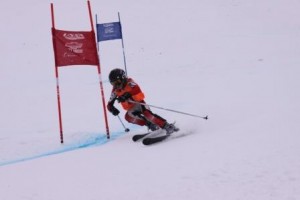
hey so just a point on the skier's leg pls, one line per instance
(132, 117)
(153, 118)
(159, 121)
(135, 116)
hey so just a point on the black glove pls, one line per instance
(111, 108)
(124, 97)
(114, 111)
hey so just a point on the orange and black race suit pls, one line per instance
(133, 89)
(136, 113)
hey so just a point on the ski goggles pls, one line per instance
(117, 83)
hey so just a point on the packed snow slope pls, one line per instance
(236, 61)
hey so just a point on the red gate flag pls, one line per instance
(74, 47)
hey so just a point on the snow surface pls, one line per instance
(237, 61)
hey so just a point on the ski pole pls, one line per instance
(184, 113)
(126, 129)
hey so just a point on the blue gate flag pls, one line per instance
(109, 31)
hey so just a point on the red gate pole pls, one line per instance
(99, 75)
(57, 81)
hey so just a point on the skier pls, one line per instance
(125, 91)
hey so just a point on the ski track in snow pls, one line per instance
(94, 140)
(91, 141)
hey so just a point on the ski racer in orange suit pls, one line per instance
(126, 92)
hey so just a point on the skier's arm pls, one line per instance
(110, 105)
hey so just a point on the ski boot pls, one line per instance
(170, 128)
(152, 127)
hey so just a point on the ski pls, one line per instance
(143, 135)
(139, 136)
(153, 140)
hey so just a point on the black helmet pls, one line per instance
(117, 77)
